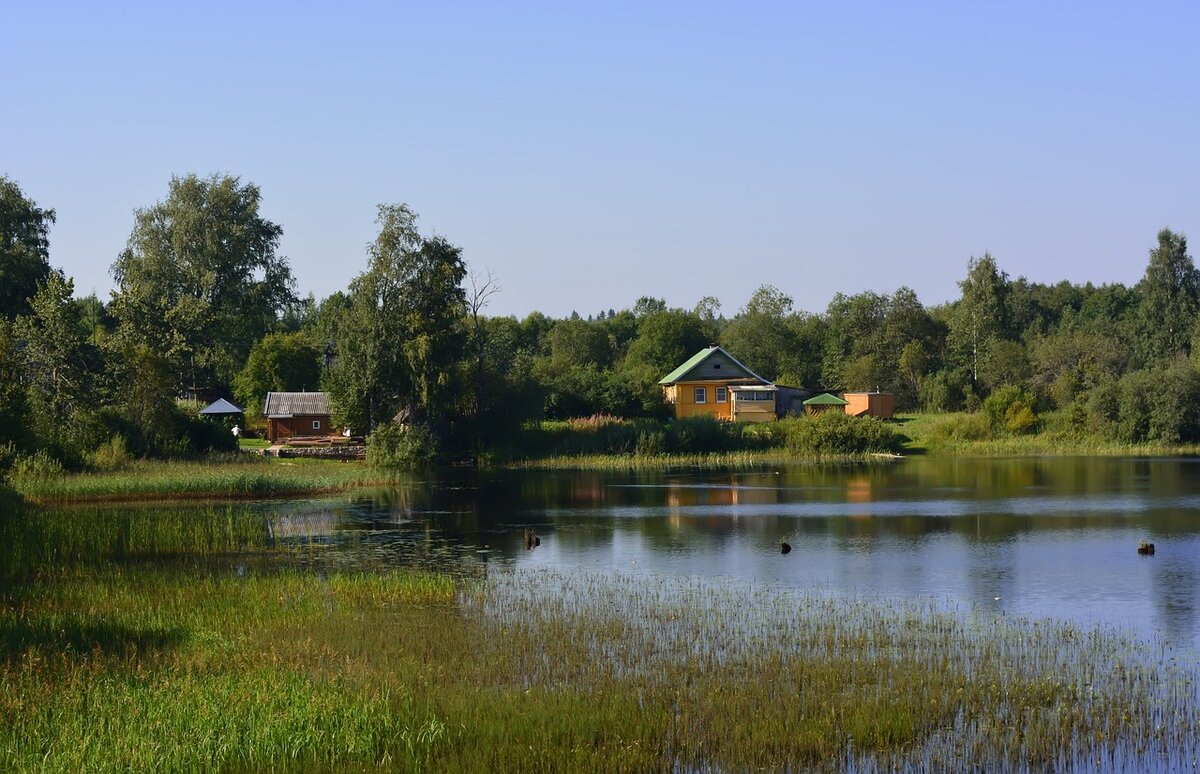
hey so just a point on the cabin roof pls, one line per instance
(826, 399)
(694, 363)
(281, 405)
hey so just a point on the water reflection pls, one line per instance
(1041, 537)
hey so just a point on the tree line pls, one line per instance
(205, 306)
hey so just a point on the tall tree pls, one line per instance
(200, 282)
(55, 371)
(279, 362)
(402, 336)
(1169, 296)
(981, 316)
(761, 337)
(24, 248)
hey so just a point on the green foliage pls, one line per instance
(832, 433)
(402, 339)
(280, 362)
(1009, 409)
(1169, 297)
(980, 318)
(200, 282)
(24, 249)
(33, 468)
(54, 363)
(959, 428)
(946, 390)
(111, 455)
(1159, 406)
(403, 447)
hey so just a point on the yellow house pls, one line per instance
(714, 383)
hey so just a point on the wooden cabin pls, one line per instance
(714, 383)
(296, 414)
(881, 405)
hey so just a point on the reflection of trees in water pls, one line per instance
(1174, 585)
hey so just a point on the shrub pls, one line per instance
(651, 443)
(39, 466)
(110, 455)
(833, 432)
(960, 428)
(700, 434)
(1158, 406)
(393, 446)
(1010, 409)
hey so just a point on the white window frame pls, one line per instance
(722, 395)
(316, 424)
(700, 395)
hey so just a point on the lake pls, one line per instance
(1039, 537)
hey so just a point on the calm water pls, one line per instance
(1039, 537)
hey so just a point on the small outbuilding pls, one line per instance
(824, 402)
(296, 414)
(881, 405)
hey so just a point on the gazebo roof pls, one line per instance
(220, 407)
(826, 399)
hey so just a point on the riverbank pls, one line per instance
(599, 672)
(937, 435)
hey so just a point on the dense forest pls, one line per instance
(205, 307)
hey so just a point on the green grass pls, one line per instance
(109, 669)
(253, 443)
(249, 477)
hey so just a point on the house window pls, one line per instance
(702, 395)
(722, 394)
(316, 424)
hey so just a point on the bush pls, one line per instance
(833, 432)
(1157, 406)
(699, 435)
(1010, 409)
(651, 443)
(960, 428)
(110, 455)
(39, 466)
(394, 446)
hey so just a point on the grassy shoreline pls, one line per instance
(930, 435)
(543, 671)
(935, 435)
(166, 481)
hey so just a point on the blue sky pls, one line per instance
(590, 154)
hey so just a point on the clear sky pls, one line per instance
(588, 154)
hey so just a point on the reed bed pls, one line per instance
(146, 480)
(102, 668)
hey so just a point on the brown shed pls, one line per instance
(293, 414)
(870, 404)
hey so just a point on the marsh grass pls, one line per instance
(233, 477)
(106, 669)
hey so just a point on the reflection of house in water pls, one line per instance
(302, 526)
(858, 492)
(691, 502)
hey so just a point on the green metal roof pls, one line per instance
(696, 360)
(826, 399)
(688, 365)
